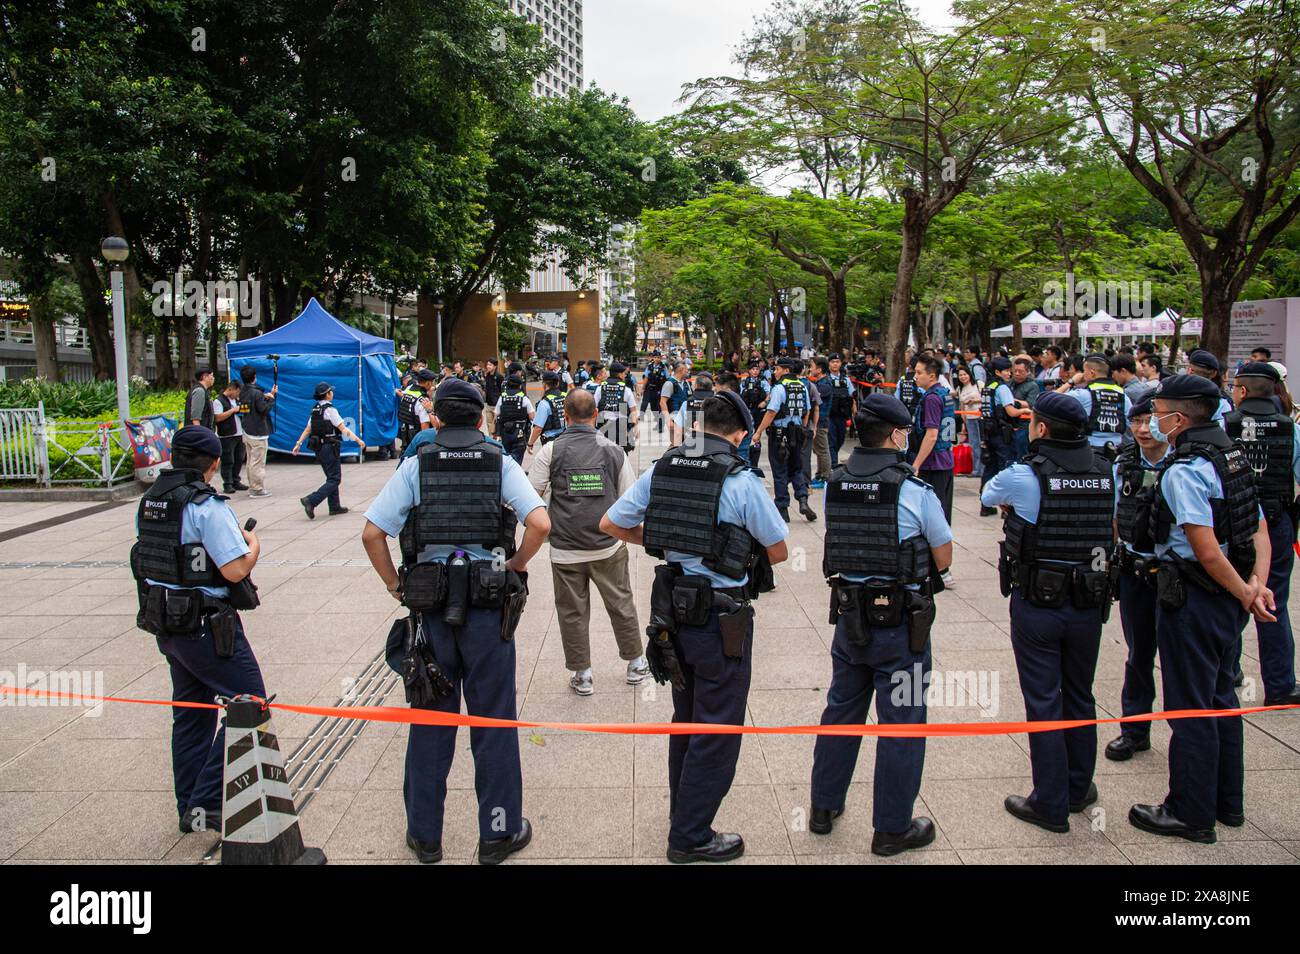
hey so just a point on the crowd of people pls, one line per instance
(1118, 480)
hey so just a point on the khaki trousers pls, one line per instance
(573, 606)
(256, 463)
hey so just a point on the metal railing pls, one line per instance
(34, 449)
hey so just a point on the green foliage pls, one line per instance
(511, 334)
(88, 400)
(620, 341)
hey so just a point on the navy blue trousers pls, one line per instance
(997, 456)
(199, 735)
(328, 458)
(1276, 642)
(1056, 658)
(1137, 616)
(898, 678)
(1200, 650)
(836, 431)
(515, 448)
(701, 767)
(482, 666)
(787, 468)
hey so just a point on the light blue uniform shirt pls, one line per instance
(1224, 407)
(213, 524)
(744, 501)
(1084, 397)
(389, 509)
(1016, 486)
(1119, 489)
(919, 512)
(1003, 395)
(1188, 489)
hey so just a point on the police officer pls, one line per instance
(1272, 443)
(841, 408)
(701, 619)
(651, 384)
(907, 392)
(597, 375)
(1059, 505)
(514, 417)
(1205, 365)
(324, 435)
(1104, 401)
(684, 421)
(449, 507)
(413, 406)
(788, 409)
(191, 563)
(886, 541)
(997, 409)
(617, 406)
(1213, 545)
(754, 392)
(548, 422)
(1137, 468)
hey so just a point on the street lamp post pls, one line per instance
(437, 310)
(115, 250)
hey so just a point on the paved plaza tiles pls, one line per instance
(84, 787)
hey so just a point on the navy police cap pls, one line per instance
(1259, 369)
(888, 408)
(454, 389)
(1060, 407)
(198, 439)
(1182, 387)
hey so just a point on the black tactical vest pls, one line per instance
(862, 520)
(556, 400)
(460, 496)
(1269, 440)
(611, 396)
(796, 399)
(1077, 488)
(406, 408)
(321, 428)
(841, 397)
(751, 392)
(991, 411)
(1236, 514)
(1107, 415)
(512, 408)
(1137, 493)
(160, 554)
(685, 496)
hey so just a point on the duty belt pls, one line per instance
(1133, 564)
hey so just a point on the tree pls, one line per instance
(620, 342)
(1199, 104)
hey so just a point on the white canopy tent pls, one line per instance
(1102, 325)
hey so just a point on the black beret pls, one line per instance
(323, 389)
(754, 362)
(454, 389)
(551, 376)
(735, 401)
(514, 367)
(1000, 364)
(887, 408)
(424, 374)
(513, 378)
(1203, 359)
(196, 438)
(1180, 387)
(1259, 369)
(618, 367)
(789, 363)
(1060, 407)
(1141, 407)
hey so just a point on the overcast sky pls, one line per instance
(646, 49)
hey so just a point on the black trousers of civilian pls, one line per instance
(941, 481)
(232, 461)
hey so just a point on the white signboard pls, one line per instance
(1272, 323)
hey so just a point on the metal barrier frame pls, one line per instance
(26, 437)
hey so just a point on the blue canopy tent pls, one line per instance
(316, 347)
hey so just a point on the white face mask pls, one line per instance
(894, 440)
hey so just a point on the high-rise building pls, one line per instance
(561, 23)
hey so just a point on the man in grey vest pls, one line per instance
(586, 473)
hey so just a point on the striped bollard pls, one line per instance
(259, 825)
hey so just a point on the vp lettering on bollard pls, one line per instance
(259, 822)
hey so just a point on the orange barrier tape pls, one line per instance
(923, 730)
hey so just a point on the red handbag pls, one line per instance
(962, 462)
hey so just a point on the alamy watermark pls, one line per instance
(54, 687)
(1084, 298)
(176, 296)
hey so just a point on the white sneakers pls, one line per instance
(638, 670)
